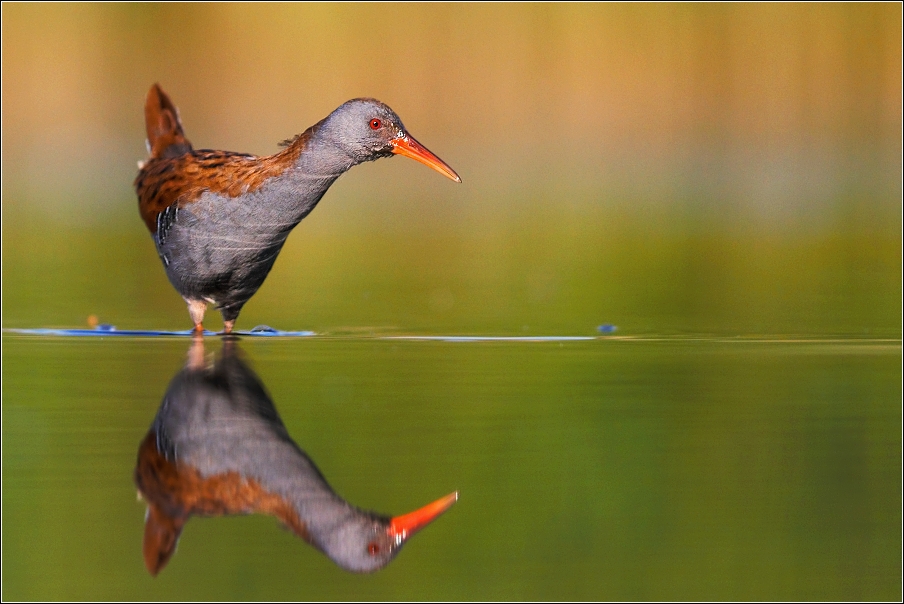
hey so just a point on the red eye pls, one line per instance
(373, 549)
(375, 124)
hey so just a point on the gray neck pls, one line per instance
(294, 193)
(284, 200)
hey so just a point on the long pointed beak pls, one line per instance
(402, 527)
(407, 146)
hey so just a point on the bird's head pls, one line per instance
(365, 542)
(367, 129)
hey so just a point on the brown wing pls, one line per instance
(175, 491)
(181, 180)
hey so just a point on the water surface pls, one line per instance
(632, 468)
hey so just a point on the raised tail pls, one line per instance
(161, 535)
(166, 515)
(165, 136)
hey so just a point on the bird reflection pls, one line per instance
(218, 446)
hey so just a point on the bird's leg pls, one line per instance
(196, 309)
(230, 314)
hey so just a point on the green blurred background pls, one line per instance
(680, 168)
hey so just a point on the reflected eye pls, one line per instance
(372, 548)
(375, 124)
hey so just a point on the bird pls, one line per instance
(217, 446)
(219, 219)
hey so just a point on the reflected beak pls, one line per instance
(407, 146)
(402, 527)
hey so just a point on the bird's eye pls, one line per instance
(373, 548)
(375, 124)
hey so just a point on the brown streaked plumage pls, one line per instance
(220, 251)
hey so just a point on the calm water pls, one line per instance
(613, 468)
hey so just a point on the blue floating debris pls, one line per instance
(99, 332)
(606, 328)
(110, 330)
(267, 331)
(262, 329)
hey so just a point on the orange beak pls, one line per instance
(407, 146)
(402, 527)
